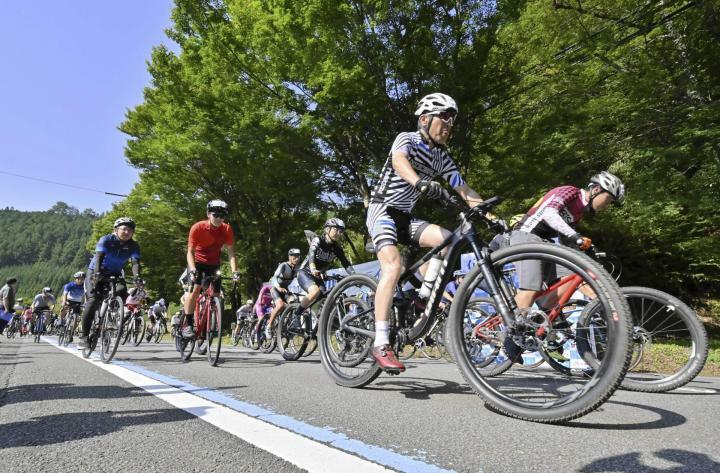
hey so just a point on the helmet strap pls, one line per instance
(425, 134)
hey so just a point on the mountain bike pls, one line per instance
(347, 325)
(107, 324)
(207, 322)
(134, 324)
(73, 315)
(293, 344)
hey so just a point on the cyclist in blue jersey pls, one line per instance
(73, 294)
(112, 252)
(452, 288)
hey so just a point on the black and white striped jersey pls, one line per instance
(392, 190)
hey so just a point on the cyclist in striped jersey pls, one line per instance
(415, 160)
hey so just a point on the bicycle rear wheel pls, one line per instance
(669, 341)
(346, 331)
(214, 332)
(290, 345)
(545, 395)
(112, 329)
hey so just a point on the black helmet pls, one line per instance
(124, 221)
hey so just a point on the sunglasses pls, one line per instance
(447, 116)
(218, 214)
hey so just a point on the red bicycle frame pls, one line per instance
(572, 281)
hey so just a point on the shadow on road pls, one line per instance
(683, 460)
(59, 391)
(420, 388)
(666, 419)
(58, 428)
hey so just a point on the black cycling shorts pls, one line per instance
(306, 280)
(204, 273)
(275, 294)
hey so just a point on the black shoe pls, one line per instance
(513, 352)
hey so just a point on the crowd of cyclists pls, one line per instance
(415, 161)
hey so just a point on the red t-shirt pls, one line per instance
(208, 241)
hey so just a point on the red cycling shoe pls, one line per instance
(385, 357)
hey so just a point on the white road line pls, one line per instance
(296, 449)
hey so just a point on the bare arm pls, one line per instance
(233, 261)
(472, 198)
(190, 258)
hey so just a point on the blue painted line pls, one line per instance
(324, 435)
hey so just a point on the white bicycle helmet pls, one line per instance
(611, 184)
(335, 222)
(435, 103)
(124, 221)
(217, 206)
(79, 274)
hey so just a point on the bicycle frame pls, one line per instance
(464, 235)
(572, 281)
(202, 310)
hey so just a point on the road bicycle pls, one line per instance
(293, 344)
(41, 324)
(69, 327)
(107, 325)
(207, 322)
(134, 324)
(346, 330)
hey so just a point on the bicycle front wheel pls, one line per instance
(160, 331)
(670, 344)
(138, 332)
(214, 331)
(112, 329)
(546, 395)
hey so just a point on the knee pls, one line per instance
(392, 269)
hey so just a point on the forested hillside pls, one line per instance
(44, 248)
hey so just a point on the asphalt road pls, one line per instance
(59, 412)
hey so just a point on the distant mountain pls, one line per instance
(44, 248)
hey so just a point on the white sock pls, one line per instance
(382, 333)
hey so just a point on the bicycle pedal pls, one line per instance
(392, 372)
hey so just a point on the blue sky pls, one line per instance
(69, 70)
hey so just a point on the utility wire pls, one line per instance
(47, 181)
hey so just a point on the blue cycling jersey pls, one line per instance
(117, 253)
(75, 291)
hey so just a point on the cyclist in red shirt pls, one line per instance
(205, 242)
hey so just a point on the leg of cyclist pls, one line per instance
(311, 285)
(91, 305)
(279, 302)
